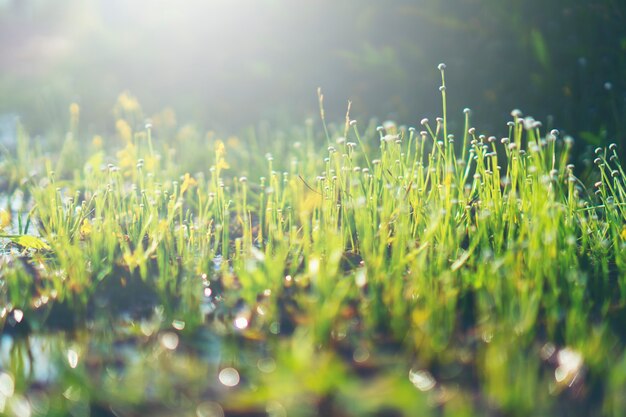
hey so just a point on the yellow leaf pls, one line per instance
(130, 260)
(29, 242)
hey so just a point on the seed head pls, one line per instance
(466, 110)
(424, 121)
(441, 66)
(471, 130)
(352, 122)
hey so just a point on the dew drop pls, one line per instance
(7, 385)
(360, 355)
(20, 407)
(72, 358)
(422, 379)
(169, 340)
(360, 277)
(209, 409)
(275, 409)
(241, 322)
(229, 377)
(266, 365)
(18, 315)
(178, 324)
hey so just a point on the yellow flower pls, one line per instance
(124, 130)
(187, 133)
(127, 158)
(127, 103)
(97, 142)
(166, 119)
(623, 234)
(85, 228)
(5, 219)
(74, 110)
(220, 149)
(222, 164)
(233, 142)
(189, 181)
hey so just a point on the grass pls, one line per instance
(391, 271)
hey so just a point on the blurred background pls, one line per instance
(228, 64)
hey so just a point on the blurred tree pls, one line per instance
(231, 63)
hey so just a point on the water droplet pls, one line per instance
(72, 358)
(314, 266)
(570, 363)
(178, 324)
(146, 328)
(266, 365)
(209, 409)
(275, 409)
(169, 340)
(360, 355)
(241, 323)
(229, 377)
(560, 374)
(20, 407)
(18, 315)
(6, 385)
(360, 278)
(547, 351)
(422, 380)
(570, 358)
